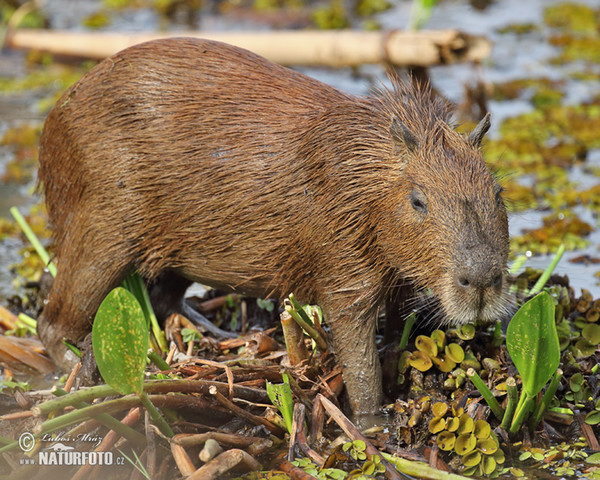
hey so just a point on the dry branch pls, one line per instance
(303, 47)
(240, 412)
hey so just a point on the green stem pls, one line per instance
(155, 415)
(497, 339)
(299, 309)
(517, 264)
(135, 285)
(486, 393)
(548, 272)
(76, 416)
(39, 248)
(157, 360)
(71, 399)
(546, 399)
(28, 322)
(408, 325)
(511, 405)
(110, 422)
(525, 405)
(419, 469)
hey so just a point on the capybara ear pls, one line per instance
(402, 135)
(480, 130)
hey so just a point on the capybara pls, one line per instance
(210, 163)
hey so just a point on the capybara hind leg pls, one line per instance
(81, 284)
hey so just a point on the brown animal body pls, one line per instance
(208, 162)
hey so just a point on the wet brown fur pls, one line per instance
(212, 162)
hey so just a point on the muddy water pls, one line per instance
(514, 56)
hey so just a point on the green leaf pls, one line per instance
(593, 459)
(532, 342)
(189, 334)
(593, 418)
(281, 396)
(120, 341)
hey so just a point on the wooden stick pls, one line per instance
(299, 437)
(223, 463)
(182, 459)
(302, 47)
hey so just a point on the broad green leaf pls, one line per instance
(120, 341)
(281, 396)
(532, 342)
(593, 459)
(593, 418)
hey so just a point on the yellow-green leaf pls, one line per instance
(120, 341)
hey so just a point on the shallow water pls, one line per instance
(513, 56)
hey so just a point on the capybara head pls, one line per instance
(447, 230)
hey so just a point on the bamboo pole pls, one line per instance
(319, 48)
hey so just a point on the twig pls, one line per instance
(240, 412)
(225, 367)
(317, 421)
(297, 419)
(217, 302)
(302, 441)
(72, 377)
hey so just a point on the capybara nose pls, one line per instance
(477, 279)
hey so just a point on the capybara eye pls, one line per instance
(418, 202)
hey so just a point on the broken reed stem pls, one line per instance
(294, 339)
(511, 405)
(486, 393)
